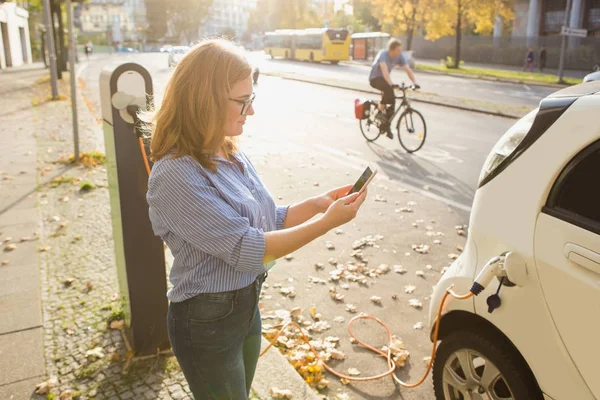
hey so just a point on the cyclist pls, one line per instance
(380, 79)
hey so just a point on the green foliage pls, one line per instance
(86, 186)
(186, 16)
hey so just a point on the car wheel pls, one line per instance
(473, 365)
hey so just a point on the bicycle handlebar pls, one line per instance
(404, 88)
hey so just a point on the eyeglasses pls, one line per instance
(245, 103)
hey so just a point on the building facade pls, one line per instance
(15, 46)
(120, 20)
(225, 15)
(545, 17)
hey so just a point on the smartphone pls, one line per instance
(364, 179)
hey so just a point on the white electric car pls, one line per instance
(537, 208)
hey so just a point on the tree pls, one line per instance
(270, 15)
(363, 14)
(451, 17)
(404, 16)
(186, 16)
(257, 20)
(157, 23)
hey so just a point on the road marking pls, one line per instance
(527, 87)
(81, 68)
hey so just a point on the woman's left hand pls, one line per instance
(323, 201)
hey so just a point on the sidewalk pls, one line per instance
(502, 67)
(21, 333)
(58, 285)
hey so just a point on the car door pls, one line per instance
(567, 256)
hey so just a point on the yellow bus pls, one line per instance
(314, 44)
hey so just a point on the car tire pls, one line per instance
(474, 347)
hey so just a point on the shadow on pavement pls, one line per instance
(423, 175)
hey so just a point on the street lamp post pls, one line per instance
(73, 79)
(563, 45)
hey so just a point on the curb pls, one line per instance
(492, 79)
(479, 77)
(274, 370)
(338, 86)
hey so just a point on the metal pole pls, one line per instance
(51, 53)
(563, 45)
(72, 54)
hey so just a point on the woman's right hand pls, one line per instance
(344, 210)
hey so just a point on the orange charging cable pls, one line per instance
(387, 355)
(144, 155)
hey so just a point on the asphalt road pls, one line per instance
(321, 120)
(442, 85)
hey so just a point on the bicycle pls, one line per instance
(412, 138)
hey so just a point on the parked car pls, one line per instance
(592, 76)
(127, 50)
(176, 53)
(166, 48)
(537, 208)
(410, 58)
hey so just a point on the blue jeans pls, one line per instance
(216, 339)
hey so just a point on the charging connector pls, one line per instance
(494, 267)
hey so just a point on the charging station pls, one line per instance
(139, 254)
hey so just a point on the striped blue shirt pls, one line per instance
(214, 223)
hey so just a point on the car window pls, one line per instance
(575, 196)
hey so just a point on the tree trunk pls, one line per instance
(458, 34)
(58, 37)
(44, 50)
(411, 26)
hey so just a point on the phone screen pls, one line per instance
(361, 181)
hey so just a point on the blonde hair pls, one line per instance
(191, 119)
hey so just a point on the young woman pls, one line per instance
(209, 205)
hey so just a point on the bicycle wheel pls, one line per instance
(369, 127)
(412, 130)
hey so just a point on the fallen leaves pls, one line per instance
(280, 393)
(399, 269)
(335, 295)
(370, 240)
(397, 351)
(409, 289)
(288, 291)
(353, 372)
(10, 247)
(461, 230)
(421, 248)
(376, 300)
(44, 387)
(415, 303)
(117, 324)
(95, 353)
